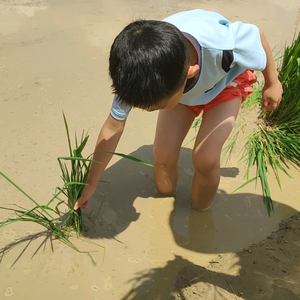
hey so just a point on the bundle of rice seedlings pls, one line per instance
(74, 177)
(275, 143)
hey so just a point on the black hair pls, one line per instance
(148, 62)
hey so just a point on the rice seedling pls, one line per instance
(131, 158)
(275, 143)
(44, 215)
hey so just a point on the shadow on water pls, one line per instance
(253, 282)
(235, 220)
(202, 236)
(111, 208)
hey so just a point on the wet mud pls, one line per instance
(54, 58)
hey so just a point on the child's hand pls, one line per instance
(271, 96)
(83, 201)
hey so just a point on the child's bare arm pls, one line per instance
(108, 140)
(272, 91)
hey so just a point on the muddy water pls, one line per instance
(53, 58)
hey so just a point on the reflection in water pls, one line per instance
(234, 222)
(192, 229)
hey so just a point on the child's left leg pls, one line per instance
(215, 128)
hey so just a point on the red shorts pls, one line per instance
(239, 87)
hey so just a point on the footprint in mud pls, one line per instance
(133, 260)
(26, 271)
(74, 287)
(72, 268)
(8, 291)
(94, 288)
(107, 284)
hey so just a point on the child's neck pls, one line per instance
(194, 55)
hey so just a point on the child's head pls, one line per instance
(148, 63)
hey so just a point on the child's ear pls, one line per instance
(192, 71)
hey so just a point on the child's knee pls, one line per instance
(164, 157)
(206, 163)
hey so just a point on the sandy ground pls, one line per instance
(53, 58)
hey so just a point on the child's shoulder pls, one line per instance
(195, 15)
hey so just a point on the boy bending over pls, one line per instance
(190, 62)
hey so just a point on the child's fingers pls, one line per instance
(271, 96)
(76, 205)
(80, 204)
(85, 204)
(265, 104)
(270, 104)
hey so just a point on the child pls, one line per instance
(191, 61)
